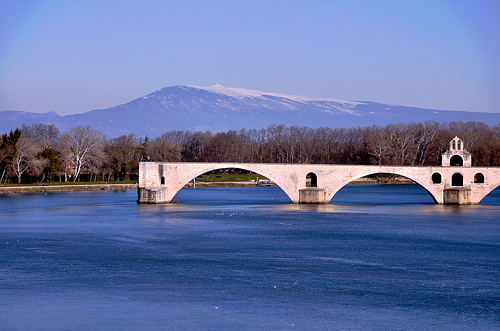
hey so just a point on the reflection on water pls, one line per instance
(377, 257)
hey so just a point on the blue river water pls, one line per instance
(376, 257)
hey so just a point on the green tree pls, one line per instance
(53, 162)
(8, 151)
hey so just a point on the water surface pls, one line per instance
(377, 257)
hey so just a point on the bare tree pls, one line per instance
(192, 149)
(425, 137)
(163, 149)
(86, 146)
(43, 134)
(36, 166)
(377, 144)
(82, 149)
(402, 143)
(63, 147)
(123, 154)
(25, 157)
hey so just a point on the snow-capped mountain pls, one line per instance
(218, 108)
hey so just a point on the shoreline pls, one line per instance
(65, 188)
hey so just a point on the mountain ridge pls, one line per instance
(218, 108)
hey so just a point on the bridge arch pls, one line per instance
(207, 167)
(491, 189)
(424, 184)
(491, 183)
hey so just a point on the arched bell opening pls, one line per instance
(457, 179)
(162, 180)
(456, 161)
(311, 180)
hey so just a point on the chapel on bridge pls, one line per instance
(456, 156)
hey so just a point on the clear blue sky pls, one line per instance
(75, 56)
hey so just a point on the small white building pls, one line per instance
(456, 156)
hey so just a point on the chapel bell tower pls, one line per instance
(456, 156)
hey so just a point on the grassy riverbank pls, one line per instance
(65, 187)
(246, 180)
(219, 178)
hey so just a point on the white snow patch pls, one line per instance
(242, 93)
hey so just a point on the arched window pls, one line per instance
(313, 179)
(479, 178)
(162, 180)
(459, 145)
(457, 179)
(453, 144)
(456, 161)
(436, 178)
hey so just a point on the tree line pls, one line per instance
(40, 153)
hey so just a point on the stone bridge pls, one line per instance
(455, 182)
(159, 182)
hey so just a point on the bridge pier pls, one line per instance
(457, 196)
(312, 195)
(152, 195)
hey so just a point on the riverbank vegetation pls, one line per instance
(39, 153)
(51, 184)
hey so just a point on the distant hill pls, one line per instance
(218, 108)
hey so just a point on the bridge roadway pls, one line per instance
(160, 181)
